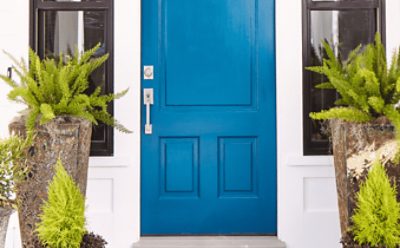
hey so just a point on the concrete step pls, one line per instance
(210, 242)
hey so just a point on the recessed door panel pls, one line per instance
(179, 166)
(237, 174)
(208, 43)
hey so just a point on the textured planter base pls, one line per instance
(65, 138)
(5, 214)
(355, 148)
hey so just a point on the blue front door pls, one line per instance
(209, 164)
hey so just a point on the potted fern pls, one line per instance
(365, 124)
(59, 116)
(11, 171)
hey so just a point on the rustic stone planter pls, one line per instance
(67, 138)
(355, 148)
(5, 214)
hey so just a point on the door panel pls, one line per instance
(236, 172)
(227, 33)
(209, 167)
(179, 167)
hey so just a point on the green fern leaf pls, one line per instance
(376, 103)
(343, 113)
(325, 86)
(9, 81)
(47, 113)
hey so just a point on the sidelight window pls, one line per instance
(345, 24)
(61, 26)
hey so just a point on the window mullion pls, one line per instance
(72, 5)
(342, 5)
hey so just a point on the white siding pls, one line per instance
(307, 207)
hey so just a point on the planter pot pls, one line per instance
(355, 148)
(67, 138)
(5, 214)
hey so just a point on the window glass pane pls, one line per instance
(65, 31)
(344, 30)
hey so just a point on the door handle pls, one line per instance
(148, 98)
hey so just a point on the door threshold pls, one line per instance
(210, 242)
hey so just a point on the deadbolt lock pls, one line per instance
(148, 72)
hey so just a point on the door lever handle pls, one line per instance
(148, 98)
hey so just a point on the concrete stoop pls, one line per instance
(210, 242)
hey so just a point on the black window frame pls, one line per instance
(106, 146)
(323, 147)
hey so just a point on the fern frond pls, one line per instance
(86, 56)
(119, 94)
(343, 113)
(340, 102)
(332, 60)
(96, 63)
(33, 88)
(107, 119)
(30, 121)
(372, 84)
(47, 113)
(20, 93)
(325, 86)
(53, 88)
(9, 81)
(376, 103)
(353, 55)
(19, 65)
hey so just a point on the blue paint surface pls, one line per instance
(210, 165)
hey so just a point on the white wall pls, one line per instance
(114, 183)
(307, 209)
(14, 37)
(392, 26)
(307, 215)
